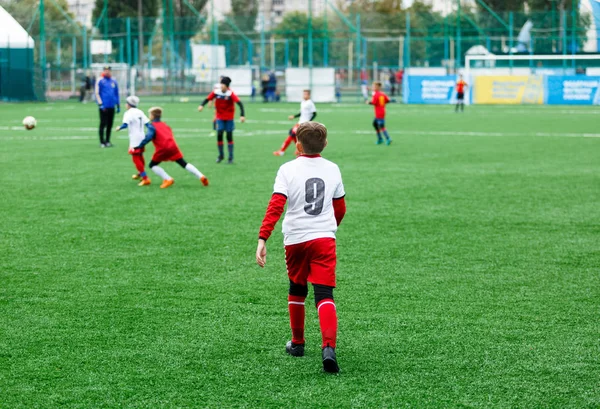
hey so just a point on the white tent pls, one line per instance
(12, 34)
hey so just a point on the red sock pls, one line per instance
(286, 143)
(328, 322)
(296, 308)
(138, 161)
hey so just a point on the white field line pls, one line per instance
(193, 134)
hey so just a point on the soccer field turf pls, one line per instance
(468, 264)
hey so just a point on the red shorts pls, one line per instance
(133, 151)
(313, 261)
(167, 156)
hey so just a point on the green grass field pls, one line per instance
(468, 271)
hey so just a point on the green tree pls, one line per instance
(295, 26)
(142, 17)
(126, 8)
(236, 27)
(56, 27)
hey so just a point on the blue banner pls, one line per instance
(572, 90)
(596, 20)
(428, 89)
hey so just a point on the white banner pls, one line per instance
(322, 84)
(101, 47)
(207, 60)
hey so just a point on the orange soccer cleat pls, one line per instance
(145, 182)
(279, 153)
(167, 183)
(204, 180)
(136, 176)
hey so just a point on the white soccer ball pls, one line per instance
(29, 122)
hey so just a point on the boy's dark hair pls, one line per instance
(226, 81)
(312, 136)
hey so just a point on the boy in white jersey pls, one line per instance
(313, 189)
(308, 112)
(135, 121)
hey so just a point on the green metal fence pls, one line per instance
(159, 47)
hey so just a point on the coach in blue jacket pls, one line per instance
(107, 96)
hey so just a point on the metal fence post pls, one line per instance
(511, 28)
(407, 43)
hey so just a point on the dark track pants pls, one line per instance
(107, 117)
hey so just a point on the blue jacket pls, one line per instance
(108, 92)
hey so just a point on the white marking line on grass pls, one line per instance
(192, 134)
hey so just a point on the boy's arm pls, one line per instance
(339, 209)
(272, 216)
(314, 115)
(210, 97)
(339, 202)
(124, 124)
(237, 100)
(242, 112)
(149, 136)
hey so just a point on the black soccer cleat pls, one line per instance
(230, 161)
(294, 349)
(220, 159)
(330, 361)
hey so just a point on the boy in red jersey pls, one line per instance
(313, 189)
(461, 85)
(165, 149)
(224, 103)
(380, 100)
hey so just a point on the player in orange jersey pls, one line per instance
(379, 101)
(461, 86)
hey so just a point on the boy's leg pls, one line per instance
(383, 129)
(193, 170)
(230, 145)
(296, 261)
(322, 256)
(376, 126)
(327, 314)
(220, 133)
(159, 171)
(290, 138)
(138, 161)
(296, 298)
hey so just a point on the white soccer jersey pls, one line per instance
(136, 122)
(307, 108)
(310, 184)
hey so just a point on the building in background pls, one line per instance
(82, 10)
(274, 10)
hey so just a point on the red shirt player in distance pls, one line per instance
(224, 100)
(379, 101)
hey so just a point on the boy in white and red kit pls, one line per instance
(313, 189)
